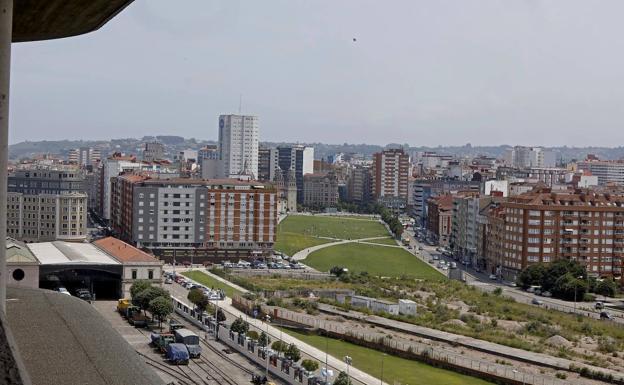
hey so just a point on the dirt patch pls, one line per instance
(558, 342)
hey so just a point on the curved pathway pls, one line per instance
(303, 254)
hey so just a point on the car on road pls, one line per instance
(168, 281)
(431, 261)
(547, 294)
(493, 277)
(444, 267)
(453, 265)
(537, 302)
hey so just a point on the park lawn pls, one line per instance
(396, 369)
(376, 260)
(333, 227)
(210, 282)
(383, 241)
(290, 243)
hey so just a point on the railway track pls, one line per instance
(179, 375)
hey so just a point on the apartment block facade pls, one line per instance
(47, 203)
(359, 184)
(390, 175)
(543, 226)
(320, 190)
(188, 217)
(440, 218)
(607, 171)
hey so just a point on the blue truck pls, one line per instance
(177, 354)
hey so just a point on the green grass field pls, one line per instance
(210, 282)
(334, 227)
(396, 369)
(376, 260)
(290, 243)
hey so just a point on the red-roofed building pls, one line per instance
(137, 264)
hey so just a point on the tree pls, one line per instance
(264, 339)
(199, 299)
(221, 316)
(569, 287)
(139, 286)
(253, 335)
(606, 287)
(293, 353)
(239, 326)
(195, 295)
(532, 275)
(161, 307)
(143, 299)
(310, 365)
(558, 269)
(279, 346)
(337, 271)
(342, 379)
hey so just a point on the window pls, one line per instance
(150, 274)
(134, 274)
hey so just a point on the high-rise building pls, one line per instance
(47, 203)
(153, 151)
(299, 159)
(526, 157)
(390, 177)
(210, 151)
(111, 167)
(190, 217)
(359, 184)
(84, 156)
(267, 163)
(607, 171)
(238, 145)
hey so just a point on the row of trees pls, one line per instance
(150, 298)
(391, 220)
(564, 279)
(290, 351)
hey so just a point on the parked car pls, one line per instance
(168, 281)
(453, 265)
(63, 290)
(537, 302)
(493, 277)
(599, 305)
(547, 294)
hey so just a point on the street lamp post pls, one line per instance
(575, 289)
(266, 348)
(382, 360)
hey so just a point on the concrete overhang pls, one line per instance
(54, 19)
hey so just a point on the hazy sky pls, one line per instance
(421, 72)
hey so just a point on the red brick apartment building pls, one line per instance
(544, 226)
(194, 218)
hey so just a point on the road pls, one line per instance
(482, 281)
(359, 376)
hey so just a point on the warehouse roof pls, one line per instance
(70, 253)
(124, 252)
(17, 252)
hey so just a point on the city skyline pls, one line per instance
(412, 72)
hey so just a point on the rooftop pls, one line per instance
(64, 340)
(124, 252)
(70, 253)
(17, 252)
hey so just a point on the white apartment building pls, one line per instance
(526, 157)
(112, 167)
(238, 145)
(607, 171)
